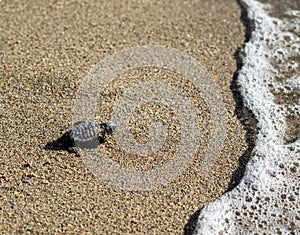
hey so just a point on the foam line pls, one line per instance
(266, 201)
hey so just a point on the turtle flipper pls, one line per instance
(71, 149)
(101, 138)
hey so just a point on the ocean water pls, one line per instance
(266, 201)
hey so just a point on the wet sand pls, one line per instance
(47, 49)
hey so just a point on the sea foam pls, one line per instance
(266, 201)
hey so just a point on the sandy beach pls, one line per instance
(47, 49)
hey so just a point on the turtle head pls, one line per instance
(110, 127)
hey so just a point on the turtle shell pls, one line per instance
(87, 134)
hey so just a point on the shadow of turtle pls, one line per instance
(64, 143)
(54, 146)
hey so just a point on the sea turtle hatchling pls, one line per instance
(85, 135)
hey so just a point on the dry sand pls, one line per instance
(47, 49)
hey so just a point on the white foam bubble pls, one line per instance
(266, 201)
